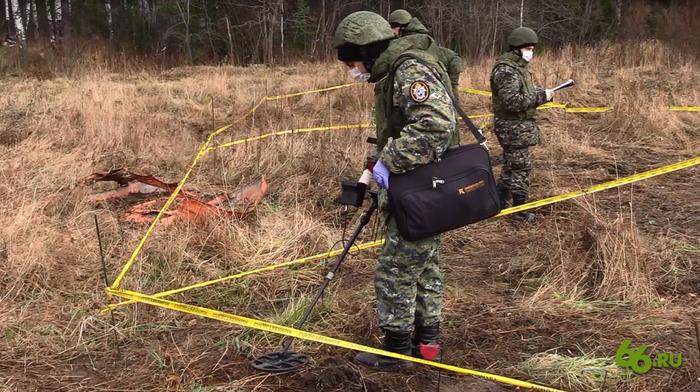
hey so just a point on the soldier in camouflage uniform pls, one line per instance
(403, 24)
(415, 123)
(514, 100)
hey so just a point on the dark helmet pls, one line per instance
(522, 37)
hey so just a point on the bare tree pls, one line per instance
(18, 23)
(185, 15)
(231, 52)
(110, 25)
(66, 20)
(282, 31)
(495, 30)
(276, 31)
(618, 11)
(42, 15)
(4, 19)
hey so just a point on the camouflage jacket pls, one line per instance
(514, 96)
(448, 57)
(414, 114)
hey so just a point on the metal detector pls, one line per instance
(288, 361)
(566, 84)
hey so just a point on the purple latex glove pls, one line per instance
(381, 175)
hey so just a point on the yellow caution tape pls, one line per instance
(321, 256)
(606, 185)
(205, 147)
(475, 91)
(278, 97)
(685, 108)
(591, 109)
(535, 204)
(239, 119)
(288, 132)
(296, 333)
(313, 337)
(552, 105)
(480, 115)
(320, 90)
(200, 154)
(459, 118)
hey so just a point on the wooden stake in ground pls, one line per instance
(697, 337)
(104, 275)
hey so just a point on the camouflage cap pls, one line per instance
(400, 17)
(362, 28)
(521, 37)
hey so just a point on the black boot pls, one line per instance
(425, 342)
(503, 196)
(524, 216)
(394, 341)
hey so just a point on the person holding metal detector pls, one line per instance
(415, 123)
(514, 100)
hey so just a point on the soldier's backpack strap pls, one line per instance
(478, 135)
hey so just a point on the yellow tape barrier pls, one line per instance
(606, 185)
(303, 260)
(369, 245)
(475, 91)
(591, 109)
(261, 325)
(202, 151)
(205, 148)
(685, 108)
(200, 154)
(300, 334)
(482, 115)
(288, 132)
(320, 90)
(552, 105)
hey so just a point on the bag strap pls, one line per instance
(478, 134)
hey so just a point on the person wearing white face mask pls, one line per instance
(415, 124)
(359, 73)
(514, 99)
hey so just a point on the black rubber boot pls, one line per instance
(503, 196)
(425, 342)
(524, 216)
(394, 341)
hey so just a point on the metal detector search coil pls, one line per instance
(285, 360)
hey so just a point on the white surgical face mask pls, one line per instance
(527, 55)
(358, 75)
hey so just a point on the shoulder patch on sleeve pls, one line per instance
(420, 92)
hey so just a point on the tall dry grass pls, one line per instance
(591, 253)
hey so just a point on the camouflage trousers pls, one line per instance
(516, 136)
(515, 172)
(408, 282)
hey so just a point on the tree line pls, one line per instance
(280, 31)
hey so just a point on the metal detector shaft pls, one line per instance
(364, 220)
(566, 84)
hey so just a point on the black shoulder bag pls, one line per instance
(453, 191)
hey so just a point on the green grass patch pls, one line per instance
(581, 373)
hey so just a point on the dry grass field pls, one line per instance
(549, 302)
